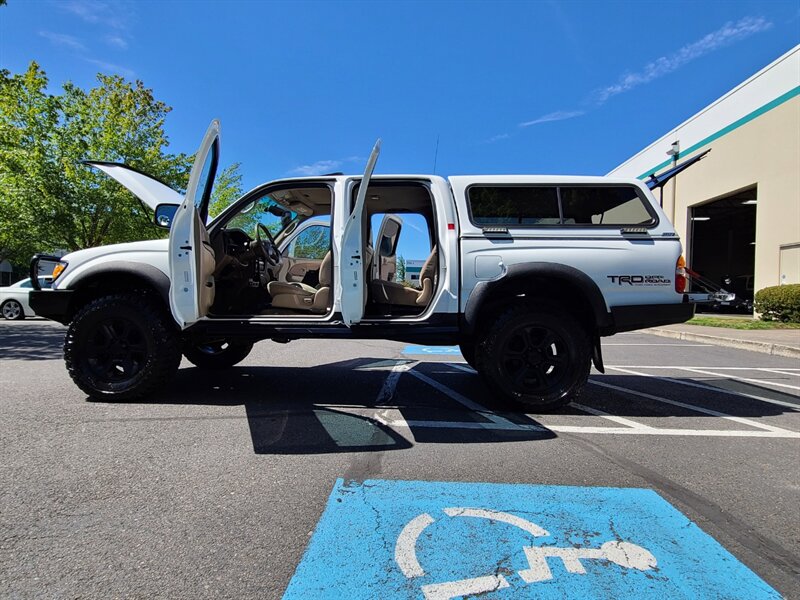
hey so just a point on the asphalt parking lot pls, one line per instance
(215, 487)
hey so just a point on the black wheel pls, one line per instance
(121, 347)
(468, 352)
(539, 357)
(12, 310)
(216, 355)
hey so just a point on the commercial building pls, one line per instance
(738, 208)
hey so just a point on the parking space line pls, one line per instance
(715, 368)
(463, 400)
(746, 379)
(704, 387)
(610, 417)
(780, 372)
(692, 407)
(672, 432)
(662, 345)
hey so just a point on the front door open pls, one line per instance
(191, 258)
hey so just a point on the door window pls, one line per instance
(312, 243)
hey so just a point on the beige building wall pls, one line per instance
(753, 132)
(763, 153)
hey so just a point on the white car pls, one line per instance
(14, 298)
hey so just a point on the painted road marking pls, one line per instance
(737, 378)
(432, 350)
(392, 416)
(412, 539)
(702, 386)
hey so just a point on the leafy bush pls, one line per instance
(779, 303)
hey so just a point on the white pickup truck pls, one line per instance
(524, 272)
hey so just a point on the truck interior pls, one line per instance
(261, 268)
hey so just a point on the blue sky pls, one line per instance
(506, 87)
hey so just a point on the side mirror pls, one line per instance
(164, 215)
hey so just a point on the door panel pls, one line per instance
(191, 258)
(351, 261)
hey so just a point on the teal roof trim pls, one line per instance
(725, 130)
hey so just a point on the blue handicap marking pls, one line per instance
(432, 350)
(433, 540)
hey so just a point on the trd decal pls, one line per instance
(645, 280)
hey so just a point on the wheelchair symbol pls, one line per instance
(624, 554)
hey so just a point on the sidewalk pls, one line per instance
(778, 342)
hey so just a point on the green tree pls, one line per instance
(227, 188)
(49, 200)
(401, 269)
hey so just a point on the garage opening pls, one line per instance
(722, 237)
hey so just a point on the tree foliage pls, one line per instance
(49, 200)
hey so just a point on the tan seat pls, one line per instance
(390, 292)
(298, 296)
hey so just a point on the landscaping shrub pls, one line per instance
(779, 303)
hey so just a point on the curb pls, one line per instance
(763, 347)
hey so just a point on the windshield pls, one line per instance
(266, 211)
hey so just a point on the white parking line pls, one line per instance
(692, 407)
(715, 368)
(610, 417)
(746, 379)
(662, 345)
(701, 386)
(391, 416)
(780, 372)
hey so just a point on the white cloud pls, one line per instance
(318, 168)
(729, 33)
(497, 138)
(112, 68)
(559, 115)
(63, 40)
(117, 41)
(324, 166)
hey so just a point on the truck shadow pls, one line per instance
(330, 408)
(31, 341)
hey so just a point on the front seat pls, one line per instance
(390, 292)
(299, 296)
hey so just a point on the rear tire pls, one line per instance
(537, 356)
(216, 355)
(121, 347)
(12, 310)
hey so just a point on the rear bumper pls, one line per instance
(52, 304)
(629, 318)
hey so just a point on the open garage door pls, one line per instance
(722, 245)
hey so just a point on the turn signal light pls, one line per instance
(680, 275)
(59, 268)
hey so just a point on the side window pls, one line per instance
(605, 205)
(514, 205)
(312, 243)
(26, 284)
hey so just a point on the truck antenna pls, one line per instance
(436, 154)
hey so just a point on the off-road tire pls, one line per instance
(537, 356)
(104, 330)
(8, 312)
(216, 355)
(468, 352)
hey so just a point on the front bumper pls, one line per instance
(52, 304)
(642, 316)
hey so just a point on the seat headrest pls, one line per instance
(326, 270)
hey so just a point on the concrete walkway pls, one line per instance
(778, 342)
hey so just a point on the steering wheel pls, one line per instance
(270, 248)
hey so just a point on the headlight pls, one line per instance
(59, 268)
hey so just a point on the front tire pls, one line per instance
(539, 357)
(12, 310)
(121, 347)
(217, 355)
